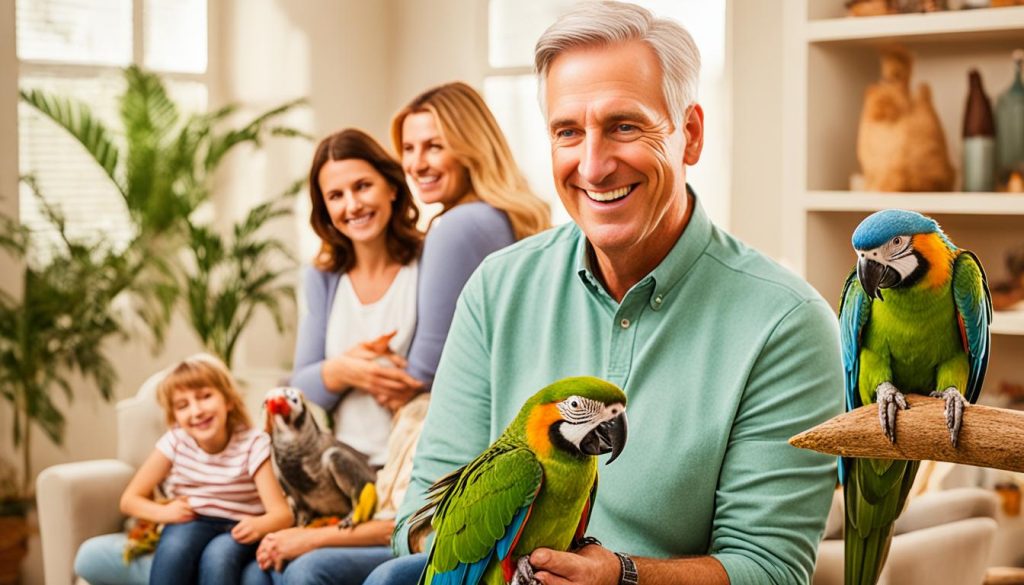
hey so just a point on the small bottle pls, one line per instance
(1010, 129)
(979, 139)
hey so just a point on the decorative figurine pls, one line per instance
(900, 144)
(1010, 128)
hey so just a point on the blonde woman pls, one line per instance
(454, 153)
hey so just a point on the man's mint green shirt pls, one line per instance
(723, 354)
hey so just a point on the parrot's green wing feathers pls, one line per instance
(475, 511)
(974, 307)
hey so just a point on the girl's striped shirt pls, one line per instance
(216, 484)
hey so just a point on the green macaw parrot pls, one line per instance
(533, 487)
(928, 334)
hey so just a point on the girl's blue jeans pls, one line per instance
(201, 551)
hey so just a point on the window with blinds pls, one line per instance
(76, 49)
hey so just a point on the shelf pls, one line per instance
(960, 203)
(991, 24)
(1008, 322)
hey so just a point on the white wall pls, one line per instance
(755, 42)
(8, 136)
(435, 42)
(10, 283)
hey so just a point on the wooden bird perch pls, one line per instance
(989, 437)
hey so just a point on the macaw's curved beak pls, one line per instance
(607, 437)
(874, 276)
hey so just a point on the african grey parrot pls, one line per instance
(320, 474)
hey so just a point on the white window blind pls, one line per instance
(76, 49)
(64, 172)
(93, 32)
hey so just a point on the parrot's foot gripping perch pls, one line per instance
(524, 573)
(889, 399)
(954, 411)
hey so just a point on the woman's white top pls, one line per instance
(358, 420)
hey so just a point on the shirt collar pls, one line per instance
(683, 255)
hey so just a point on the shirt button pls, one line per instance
(658, 300)
(624, 323)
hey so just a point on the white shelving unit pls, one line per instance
(830, 61)
(950, 203)
(952, 26)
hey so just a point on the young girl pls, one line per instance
(216, 467)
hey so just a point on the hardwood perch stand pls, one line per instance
(989, 437)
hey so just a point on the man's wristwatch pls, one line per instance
(628, 576)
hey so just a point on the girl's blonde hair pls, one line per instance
(203, 371)
(474, 137)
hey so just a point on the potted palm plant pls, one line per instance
(52, 336)
(54, 333)
(228, 277)
(13, 525)
(164, 170)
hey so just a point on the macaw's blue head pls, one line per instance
(896, 248)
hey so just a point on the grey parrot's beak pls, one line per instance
(874, 276)
(608, 437)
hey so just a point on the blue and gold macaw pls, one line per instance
(928, 334)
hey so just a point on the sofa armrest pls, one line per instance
(948, 554)
(77, 501)
(943, 507)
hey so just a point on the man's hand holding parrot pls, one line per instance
(590, 565)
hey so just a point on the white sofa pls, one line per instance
(77, 501)
(942, 538)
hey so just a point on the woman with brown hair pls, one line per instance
(454, 154)
(361, 287)
(349, 357)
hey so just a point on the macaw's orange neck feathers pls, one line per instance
(939, 257)
(538, 426)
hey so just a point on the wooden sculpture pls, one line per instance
(900, 144)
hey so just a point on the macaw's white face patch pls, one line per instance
(582, 415)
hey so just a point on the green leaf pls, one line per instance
(252, 132)
(77, 119)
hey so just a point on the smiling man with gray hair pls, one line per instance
(723, 354)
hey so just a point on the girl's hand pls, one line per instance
(177, 511)
(285, 545)
(247, 530)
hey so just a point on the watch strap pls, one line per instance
(628, 576)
